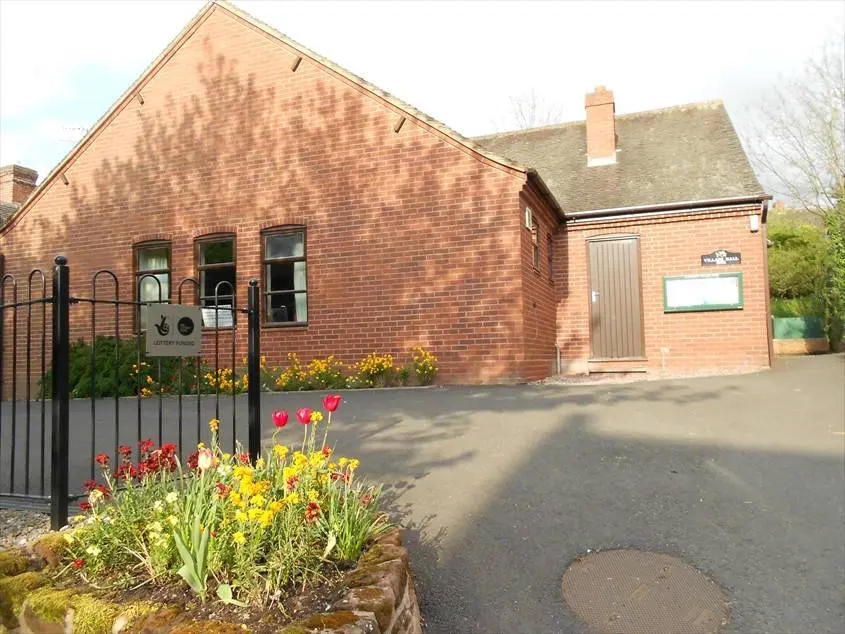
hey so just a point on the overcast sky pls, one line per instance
(63, 63)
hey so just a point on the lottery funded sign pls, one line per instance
(173, 331)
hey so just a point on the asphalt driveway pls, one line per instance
(500, 488)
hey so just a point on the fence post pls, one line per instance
(254, 369)
(61, 423)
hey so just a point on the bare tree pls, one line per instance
(797, 135)
(530, 110)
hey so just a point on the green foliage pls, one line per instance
(834, 292)
(810, 306)
(797, 260)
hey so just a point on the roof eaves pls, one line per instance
(115, 107)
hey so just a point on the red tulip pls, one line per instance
(331, 402)
(304, 415)
(280, 418)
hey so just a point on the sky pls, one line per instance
(64, 63)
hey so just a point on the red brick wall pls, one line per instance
(538, 303)
(673, 245)
(412, 239)
(16, 183)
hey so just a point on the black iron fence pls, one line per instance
(154, 392)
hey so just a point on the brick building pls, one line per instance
(594, 246)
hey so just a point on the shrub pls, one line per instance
(797, 260)
(326, 374)
(797, 307)
(294, 377)
(425, 365)
(375, 370)
(220, 523)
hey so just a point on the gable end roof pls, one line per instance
(486, 155)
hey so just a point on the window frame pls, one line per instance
(266, 292)
(137, 273)
(550, 255)
(200, 268)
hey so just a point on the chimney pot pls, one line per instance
(601, 127)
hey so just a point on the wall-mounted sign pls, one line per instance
(222, 317)
(720, 257)
(689, 293)
(173, 331)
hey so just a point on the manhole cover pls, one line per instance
(630, 591)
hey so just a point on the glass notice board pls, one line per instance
(691, 293)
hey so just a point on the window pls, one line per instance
(152, 276)
(216, 272)
(550, 255)
(535, 246)
(285, 278)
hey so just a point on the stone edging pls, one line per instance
(381, 599)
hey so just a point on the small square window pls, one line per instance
(152, 276)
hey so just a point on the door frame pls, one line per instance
(609, 237)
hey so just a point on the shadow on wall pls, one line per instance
(402, 236)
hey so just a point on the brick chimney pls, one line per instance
(601, 127)
(16, 184)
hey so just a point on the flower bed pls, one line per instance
(259, 543)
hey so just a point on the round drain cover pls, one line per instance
(630, 591)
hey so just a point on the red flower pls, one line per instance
(85, 505)
(331, 402)
(366, 499)
(244, 458)
(125, 451)
(77, 563)
(213, 534)
(291, 482)
(280, 418)
(304, 415)
(168, 449)
(88, 485)
(146, 446)
(102, 459)
(326, 451)
(222, 489)
(126, 472)
(312, 512)
(193, 459)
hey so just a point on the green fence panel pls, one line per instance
(798, 328)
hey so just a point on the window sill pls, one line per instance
(290, 324)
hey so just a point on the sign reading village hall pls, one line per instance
(173, 331)
(720, 257)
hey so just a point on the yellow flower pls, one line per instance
(266, 518)
(246, 488)
(226, 457)
(316, 459)
(275, 506)
(323, 478)
(214, 425)
(262, 486)
(343, 462)
(241, 516)
(280, 450)
(257, 500)
(236, 498)
(149, 379)
(292, 498)
(242, 471)
(254, 514)
(69, 537)
(313, 495)
(154, 527)
(239, 538)
(299, 459)
(172, 519)
(259, 464)
(200, 445)
(353, 464)
(316, 416)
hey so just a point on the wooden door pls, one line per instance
(616, 323)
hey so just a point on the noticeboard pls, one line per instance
(174, 331)
(692, 293)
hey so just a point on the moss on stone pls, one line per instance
(93, 615)
(13, 562)
(50, 604)
(293, 629)
(209, 627)
(13, 592)
(51, 547)
(332, 620)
